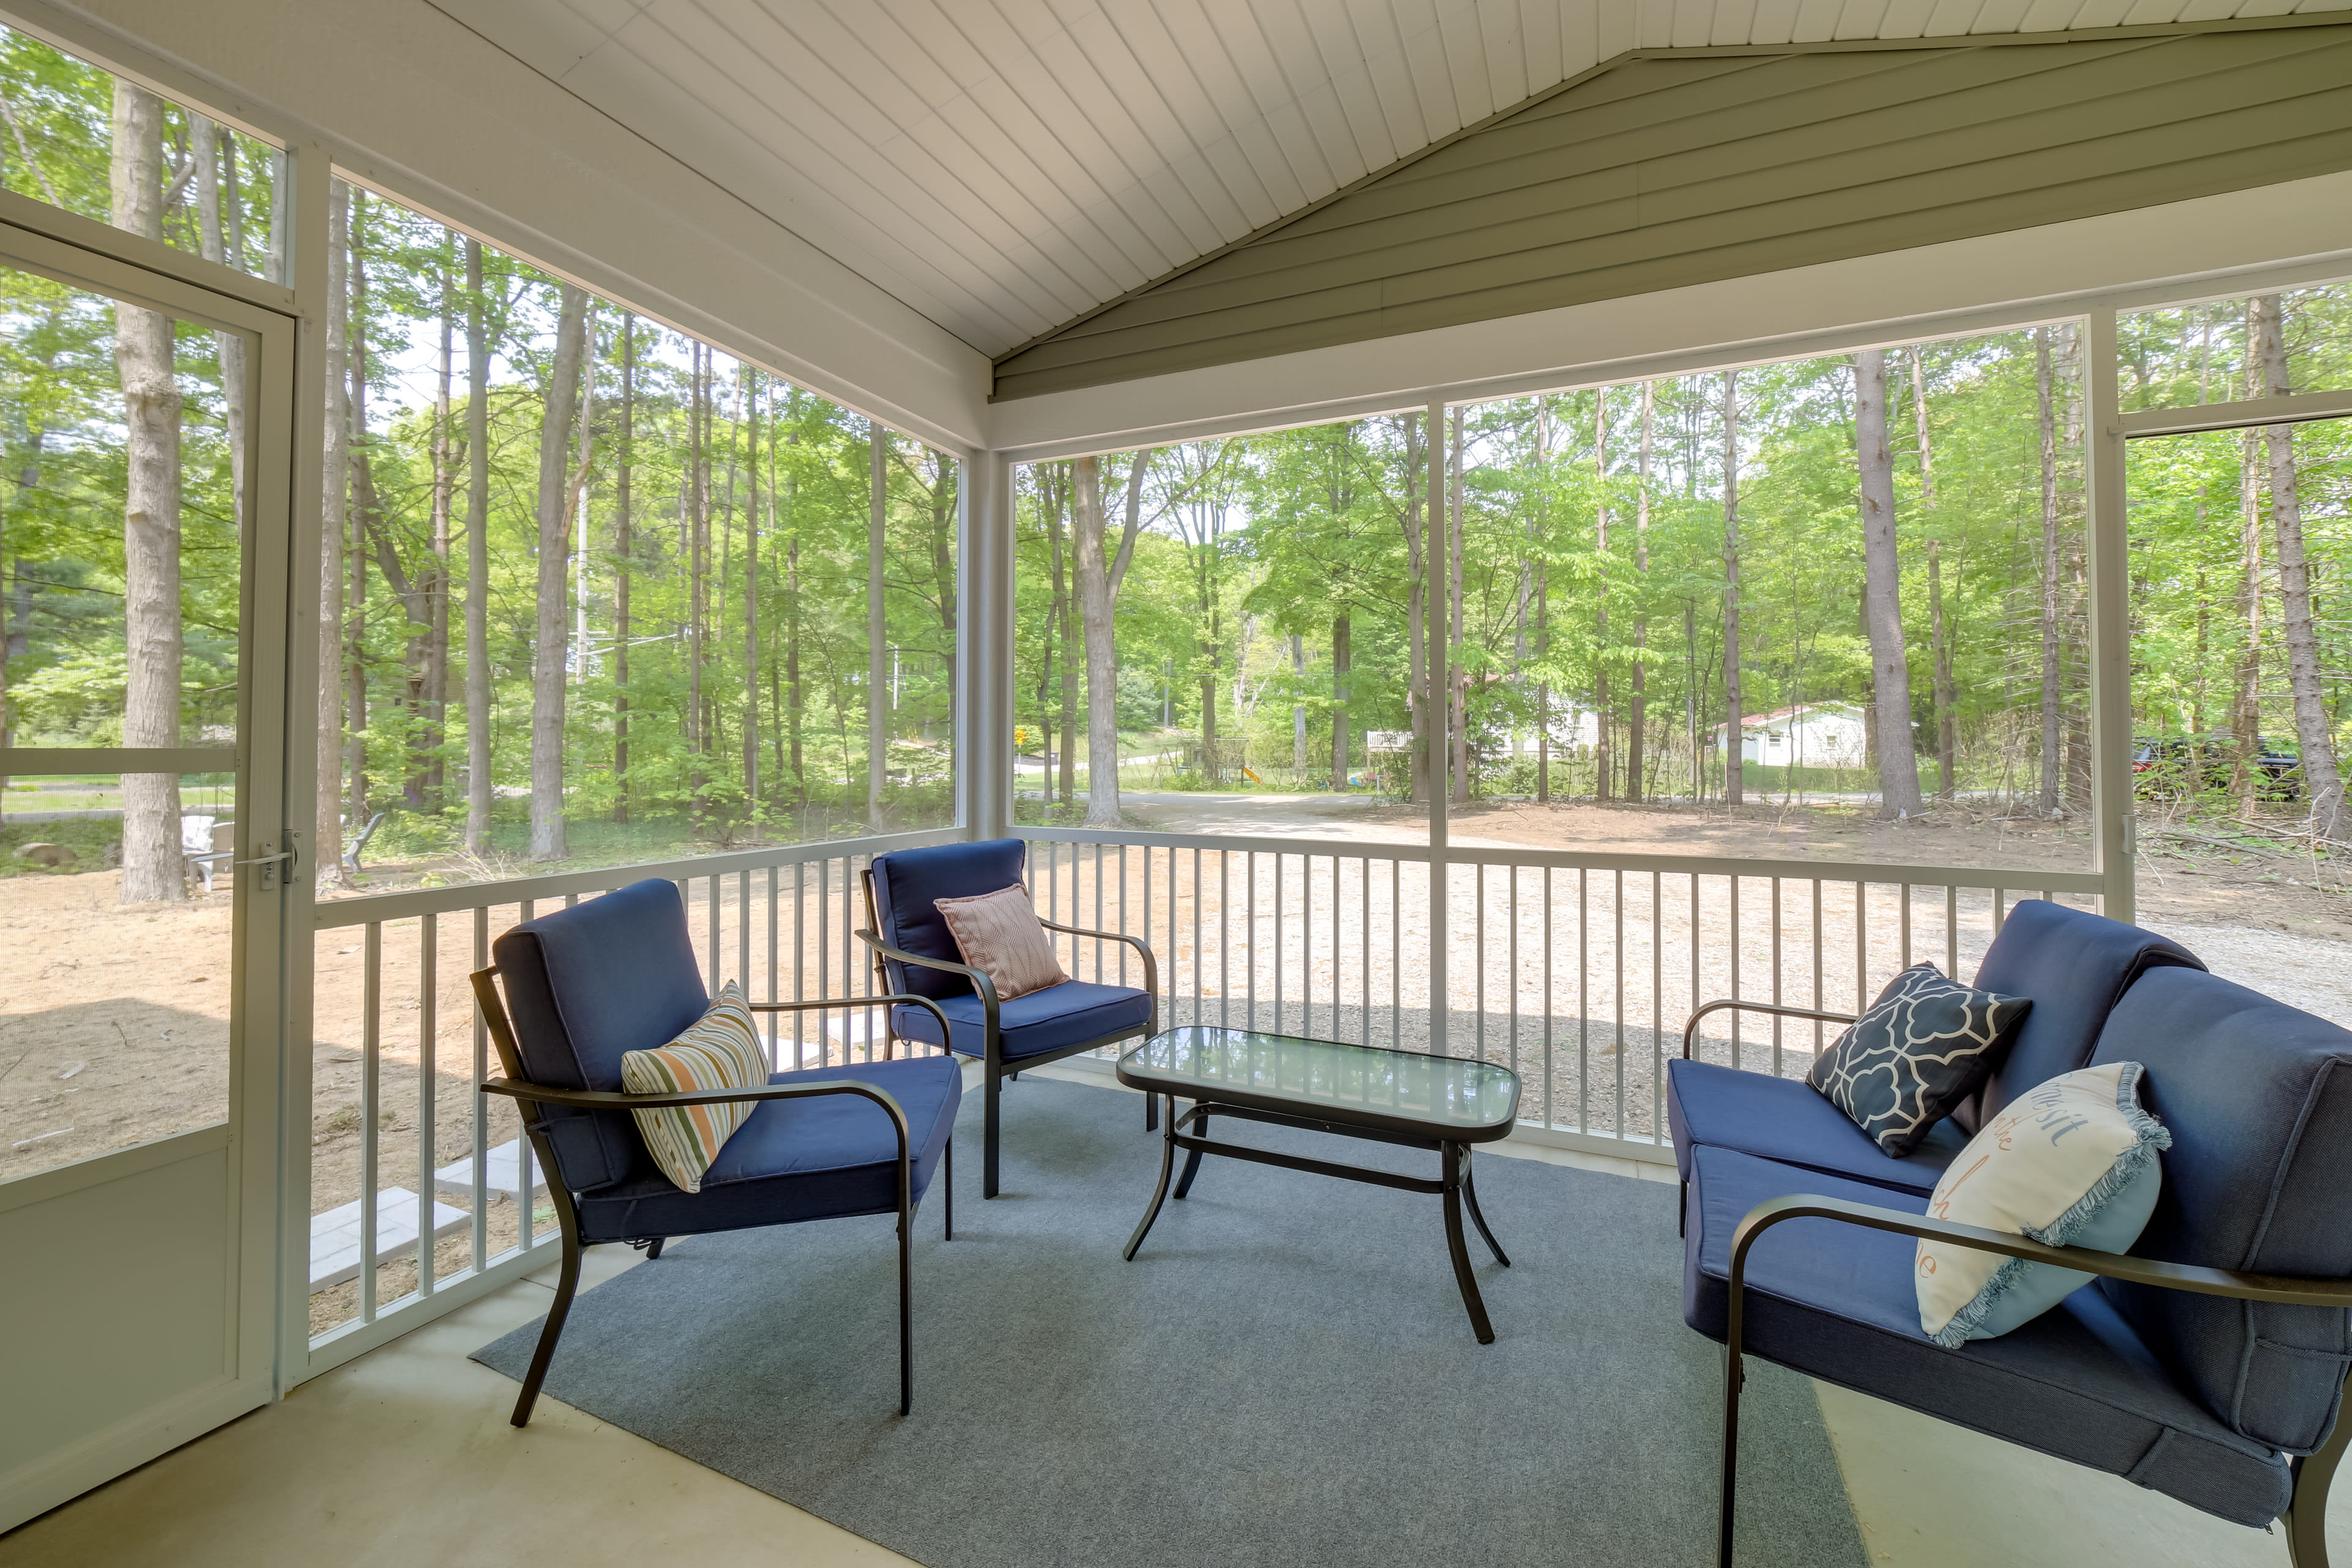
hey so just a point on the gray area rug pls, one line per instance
(1284, 1375)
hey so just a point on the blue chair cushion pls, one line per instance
(586, 984)
(2075, 966)
(824, 1157)
(907, 885)
(1053, 1019)
(1836, 1301)
(2258, 1096)
(1788, 1119)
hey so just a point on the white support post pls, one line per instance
(1436, 535)
(2108, 558)
(983, 698)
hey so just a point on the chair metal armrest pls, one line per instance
(848, 1002)
(2229, 1282)
(978, 978)
(1151, 963)
(1690, 1030)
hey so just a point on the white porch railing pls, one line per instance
(1576, 970)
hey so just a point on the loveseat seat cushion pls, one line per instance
(1053, 1019)
(2258, 1098)
(817, 1158)
(1788, 1119)
(2075, 966)
(1836, 1301)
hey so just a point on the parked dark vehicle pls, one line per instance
(2169, 766)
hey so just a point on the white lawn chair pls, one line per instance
(202, 846)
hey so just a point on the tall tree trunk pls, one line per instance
(143, 339)
(1638, 702)
(365, 523)
(1299, 710)
(1062, 680)
(546, 671)
(2048, 800)
(1098, 580)
(1423, 441)
(698, 551)
(877, 631)
(477, 557)
(214, 204)
(1603, 753)
(624, 561)
(334, 492)
(444, 480)
(2246, 707)
(1342, 746)
(1882, 566)
(1736, 731)
(1543, 598)
(751, 608)
(1940, 640)
(2322, 784)
(1458, 677)
(2067, 353)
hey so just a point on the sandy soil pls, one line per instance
(113, 1021)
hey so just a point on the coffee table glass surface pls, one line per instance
(1450, 1098)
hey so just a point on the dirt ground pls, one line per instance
(113, 1020)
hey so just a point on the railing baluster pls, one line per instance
(1225, 940)
(1952, 930)
(481, 1226)
(1513, 893)
(800, 963)
(775, 980)
(1906, 918)
(1657, 1008)
(1776, 975)
(427, 1092)
(1819, 1006)
(1861, 948)
(1364, 944)
(1735, 934)
(370, 1060)
(1617, 957)
(1280, 1022)
(1478, 967)
(1549, 1011)
(1584, 1003)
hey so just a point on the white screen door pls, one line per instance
(145, 423)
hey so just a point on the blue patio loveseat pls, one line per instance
(2210, 1364)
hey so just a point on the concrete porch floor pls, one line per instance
(404, 1456)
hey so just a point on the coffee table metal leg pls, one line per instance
(1458, 1248)
(1192, 1159)
(1470, 1193)
(1160, 1194)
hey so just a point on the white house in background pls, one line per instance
(1811, 735)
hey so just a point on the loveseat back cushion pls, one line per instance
(585, 985)
(2074, 966)
(2258, 1098)
(908, 884)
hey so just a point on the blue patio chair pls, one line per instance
(916, 954)
(2210, 1364)
(617, 973)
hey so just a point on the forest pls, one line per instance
(1889, 543)
(592, 591)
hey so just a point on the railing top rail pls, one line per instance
(2013, 879)
(1348, 849)
(334, 913)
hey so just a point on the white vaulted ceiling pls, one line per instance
(1005, 165)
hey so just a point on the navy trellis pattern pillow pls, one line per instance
(1925, 1046)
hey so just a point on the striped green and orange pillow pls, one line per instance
(720, 1050)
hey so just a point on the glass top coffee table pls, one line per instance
(1409, 1098)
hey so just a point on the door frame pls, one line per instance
(80, 253)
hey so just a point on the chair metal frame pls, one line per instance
(528, 1096)
(995, 1069)
(2305, 1518)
